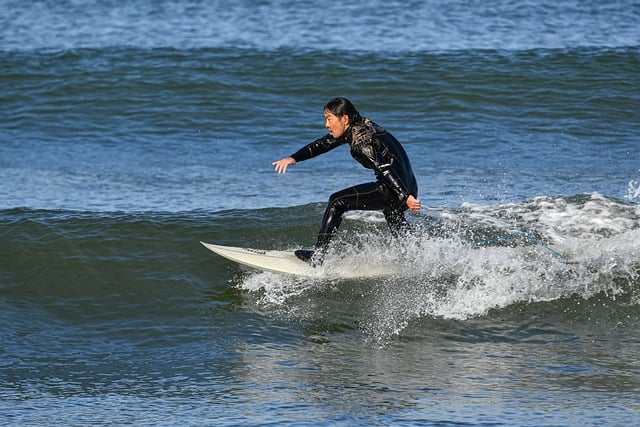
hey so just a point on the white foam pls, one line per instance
(633, 191)
(446, 277)
(276, 289)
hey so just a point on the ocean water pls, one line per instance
(130, 132)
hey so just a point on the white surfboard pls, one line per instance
(286, 262)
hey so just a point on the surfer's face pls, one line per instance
(336, 125)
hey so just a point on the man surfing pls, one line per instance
(394, 191)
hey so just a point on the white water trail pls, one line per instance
(447, 277)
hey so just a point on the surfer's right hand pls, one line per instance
(282, 164)
(413, 203)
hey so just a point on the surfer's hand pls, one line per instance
(282, 164)
(413, 203)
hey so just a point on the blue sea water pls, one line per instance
(131, 131)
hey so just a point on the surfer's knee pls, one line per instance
(338, 203)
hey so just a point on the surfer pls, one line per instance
(394, 191)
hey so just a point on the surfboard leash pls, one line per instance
(523, 234)
(439, 210)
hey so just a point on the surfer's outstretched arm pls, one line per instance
(282, 164)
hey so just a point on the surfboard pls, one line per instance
(266, 260)
(285, 262)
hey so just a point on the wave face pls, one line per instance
(582, 247)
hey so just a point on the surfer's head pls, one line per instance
(339, 114)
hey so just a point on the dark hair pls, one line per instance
(343, 107)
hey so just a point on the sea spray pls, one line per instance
(633, 191)
(439, 273)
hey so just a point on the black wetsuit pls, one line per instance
(374, 148)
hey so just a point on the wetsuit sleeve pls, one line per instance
(374, 159)
(317, 147)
